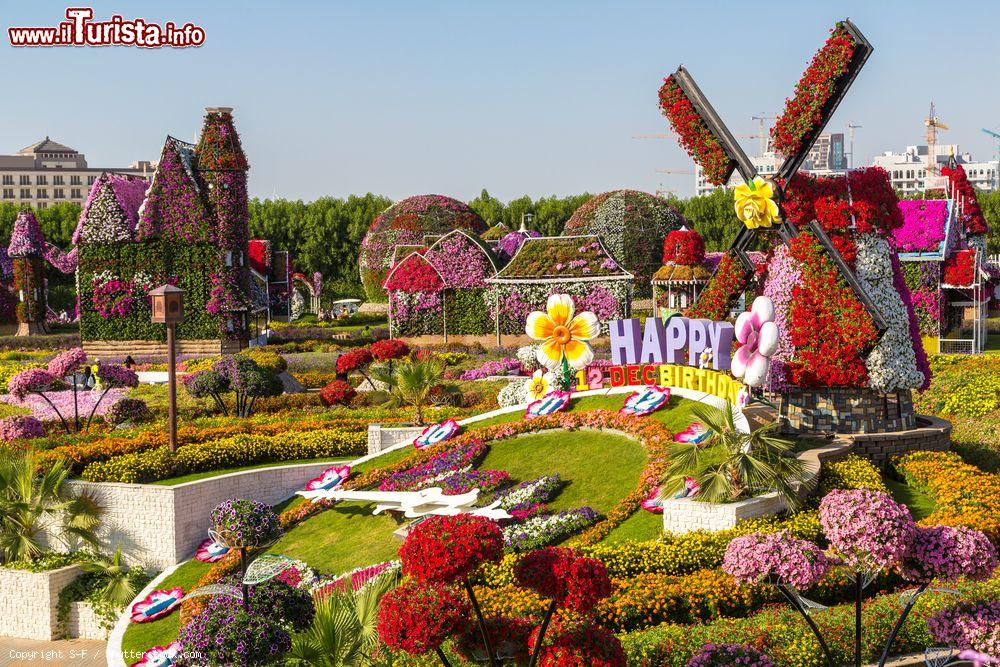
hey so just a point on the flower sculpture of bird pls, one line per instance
(755, 205)
(758, 336)
(563, 333)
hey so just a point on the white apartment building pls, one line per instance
(48, 172)
(825, 159)
(908, 170)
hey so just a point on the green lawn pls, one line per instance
(676, 415)
(600, 469)
(173, 481)
(921, 505)
(141, 636)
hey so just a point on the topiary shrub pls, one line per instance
(20, 427)
(337, 392)
(133, 410)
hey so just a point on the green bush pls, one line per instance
(240, 450)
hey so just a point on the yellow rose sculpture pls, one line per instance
(755, 205)
(563, 333)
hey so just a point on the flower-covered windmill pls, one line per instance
(847, 331)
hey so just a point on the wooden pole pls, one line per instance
(172, 386)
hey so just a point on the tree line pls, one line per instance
(325, 235)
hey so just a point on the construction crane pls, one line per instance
(850, 131)
(762, 134)
(933, 124)
(996, 156)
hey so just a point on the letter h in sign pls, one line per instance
(738, 161)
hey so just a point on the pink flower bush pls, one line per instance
(68, 362)
(758, 335)
(947, 553)
(775, 557)
(20, 426)
(968, 625)
(31, 381)
(868, 529)
(116, 375)
(26, 240)
(63, 402)
(923, 225)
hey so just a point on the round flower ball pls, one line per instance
(729, 654)
(245, 523)
(419, 618)
(569, 644)
(632, 225)
(573, 582)
(947, 553)
(868, 529)
(226, 633)
(450, 548)
(406, 223)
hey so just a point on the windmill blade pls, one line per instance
(711, 119)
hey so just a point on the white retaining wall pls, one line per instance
(83, 623)
(28, 601)
(382, 438)
(162, 525)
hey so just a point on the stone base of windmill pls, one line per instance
(31, 329)
(842, 410)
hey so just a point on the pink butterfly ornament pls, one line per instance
(551, 403)
(211, 551)
(646, 401)
(436, 433)
(330, 478)
(157, 604)
(159, 656)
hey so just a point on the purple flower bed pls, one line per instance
(464, 481)
(923, 225)
(63, 401)
(448, 460)
(528, 498)
(502, 367)
(968, 625)
(20, 426)
(713, 655)
(546, 529)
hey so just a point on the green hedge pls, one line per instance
(190, 264)
(233, 452)
(467, 313)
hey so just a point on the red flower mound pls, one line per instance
(450, 548)
(579, 645)
(804, 112)
(959, 269)
(391, 348)
(509, 637)
(353, 360)
(729, 280)
(419, 618)
(572, 581)
(414, 274)
(694, 135)
(337, 392)
(965, 193)
(829, 327)
(684, 247)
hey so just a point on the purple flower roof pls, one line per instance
(27, 239)
(924, 225)
(129, 191)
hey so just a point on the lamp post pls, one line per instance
(168, 308)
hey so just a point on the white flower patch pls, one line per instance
(892, 364)
(515, 393)
(528, 356)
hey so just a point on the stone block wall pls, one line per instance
(684, 515)
(83, 623)
(930, 433)
(844, 410)
(381, 438)
(28, 601)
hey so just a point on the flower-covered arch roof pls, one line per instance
(414, 274)
(26, 240)
(496, 232)
(111, 211)
(562, 259)
(463, 259)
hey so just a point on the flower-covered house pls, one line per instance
(188, 227)
(941, 245)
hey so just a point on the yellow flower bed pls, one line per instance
(854, 472)
(962, 385)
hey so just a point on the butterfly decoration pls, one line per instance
(694, 434)
(653, 502)
(157, 604)
(210, 551)
(645, 401)
(691, 488)
(436, 433)
(159, 656)
(330, 478)
(550, 404)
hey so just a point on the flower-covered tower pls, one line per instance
(222, 172)
(27, 249)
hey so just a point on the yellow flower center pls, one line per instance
(561, 334)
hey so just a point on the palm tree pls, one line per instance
(410, 383)
(119, 579)
(734, 464)
(32, 504)
(344, 630)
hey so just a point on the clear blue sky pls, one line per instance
(538, 98)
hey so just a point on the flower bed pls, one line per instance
(923, 225)
(693, 133)
(63, 402)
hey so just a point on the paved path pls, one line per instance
(65, 653)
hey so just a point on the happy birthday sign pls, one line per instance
(678, 341)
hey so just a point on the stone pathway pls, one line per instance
(64, 653)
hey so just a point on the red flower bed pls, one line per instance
(392, 348)
(965, 196)
(959, 269)
(685, 247)
(694, 135)
(803, 112)
(419, 618)
(828, 325)
(414, 274)
(730, 279)
(447, 549)
(353, 360)
(337, 392)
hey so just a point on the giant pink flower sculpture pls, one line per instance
(758, 335)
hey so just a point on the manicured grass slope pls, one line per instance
(141, 636)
